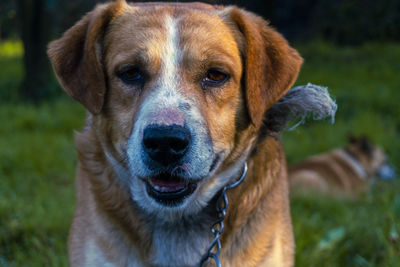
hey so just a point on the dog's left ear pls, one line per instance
(77, 56)
(270, 65)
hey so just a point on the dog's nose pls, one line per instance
(166, 144)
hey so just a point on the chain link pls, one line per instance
(218, 226)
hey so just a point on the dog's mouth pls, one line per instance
(169, 190)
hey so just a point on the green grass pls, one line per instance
(37, 164)
(36, 181)
(362, 232)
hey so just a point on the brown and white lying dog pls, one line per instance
(344, 171)
(177, 94)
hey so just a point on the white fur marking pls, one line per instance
(359, 169)
(171, 57)
(180, 245)
(94, 257)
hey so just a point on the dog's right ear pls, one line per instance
(77, 56)
(270, 65)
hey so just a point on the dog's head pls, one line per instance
(371, 157)
(176, 93)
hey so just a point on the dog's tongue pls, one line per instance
(167, 185)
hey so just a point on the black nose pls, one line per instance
(166, 144)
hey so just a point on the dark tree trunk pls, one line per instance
(35, 28)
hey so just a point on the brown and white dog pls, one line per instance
(177, 94)
(344, 171)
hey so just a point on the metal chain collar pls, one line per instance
(218, 226)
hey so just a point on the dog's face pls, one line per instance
(371, 157)
(176, 92)
(180, 86)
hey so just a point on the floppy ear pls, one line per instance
(270, 67)
(77, 57)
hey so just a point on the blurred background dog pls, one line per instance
(343, 171)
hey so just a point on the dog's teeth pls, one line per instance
(168, 189)
(165, 189)
(157, 188)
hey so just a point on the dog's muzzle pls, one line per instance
(166, 147)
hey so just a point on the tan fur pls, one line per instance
(108, 226)
(344, 171)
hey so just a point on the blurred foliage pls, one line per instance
(11, 70)
(8, 19)
(355, 21)
(38, 161)
(63, 15)
(340, 21)
(11, 49)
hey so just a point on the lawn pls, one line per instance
(37, 163)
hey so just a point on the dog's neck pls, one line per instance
(181, 243)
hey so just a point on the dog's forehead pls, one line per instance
(200, 31)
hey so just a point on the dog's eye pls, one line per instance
(215, 78)
(131, 75)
